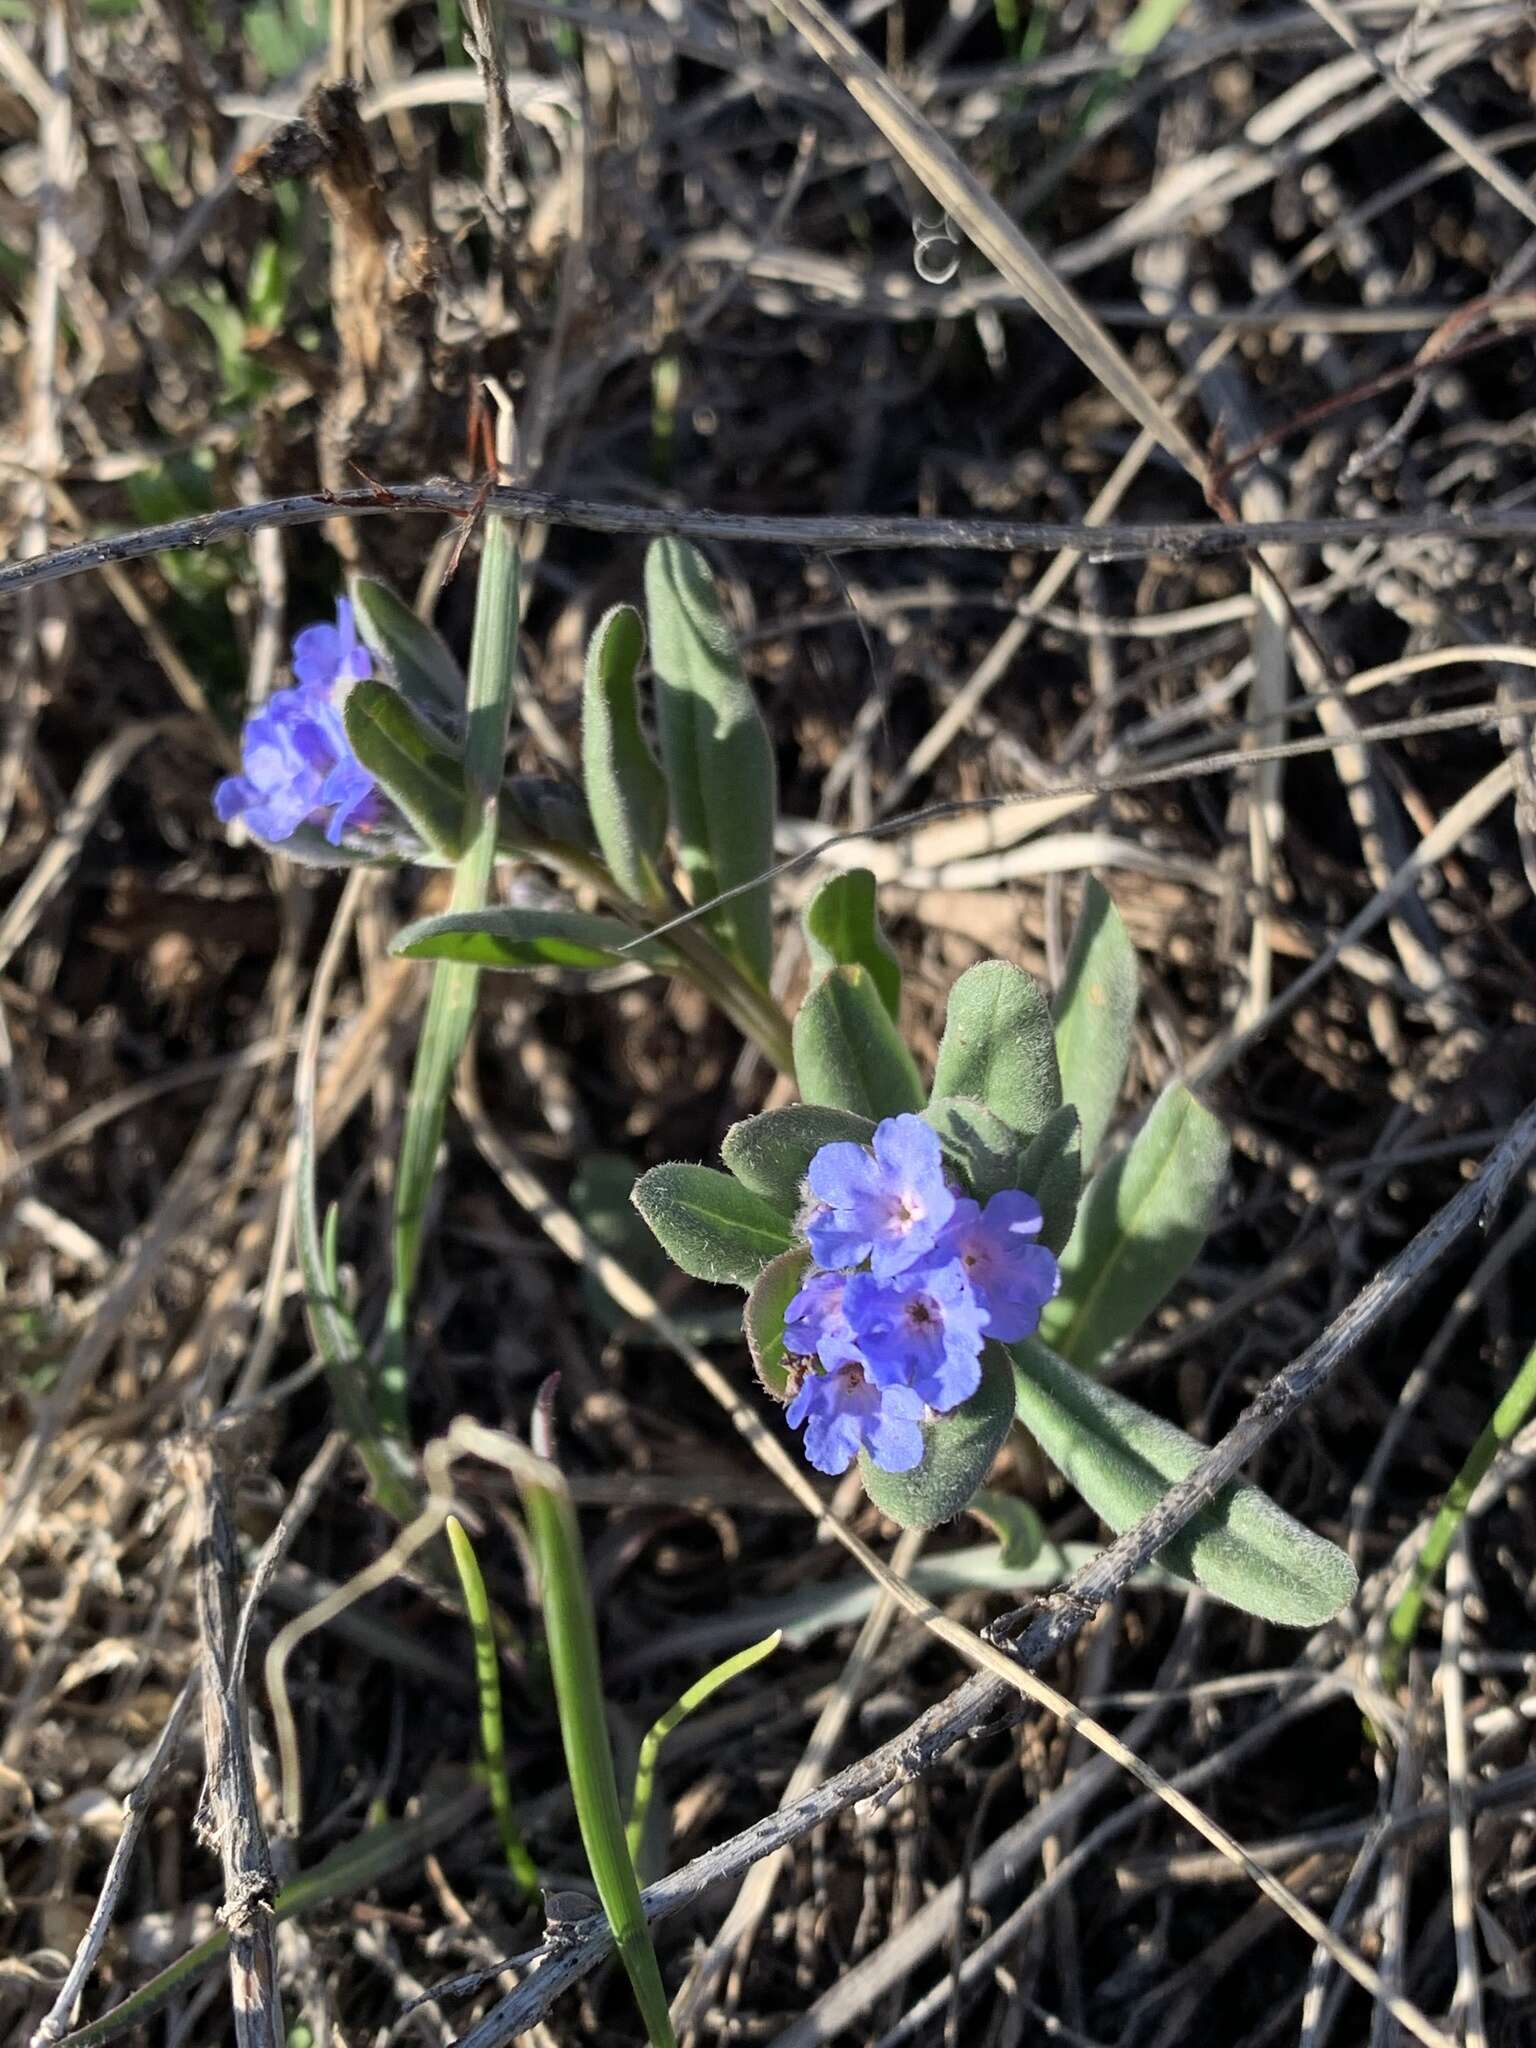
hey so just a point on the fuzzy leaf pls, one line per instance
(626, 790)
(998, 1047)
(416, 656)
(987, 1154)
(418, 771)
(771, 1153)
(1123, 1459)
(1052, 1172)
(1095, 1014)
(715, 749)
(1140, 1223)
(842, 929)
(772, 1292)
(957, 1455)
(515, 940)
(848, 1053)
(1019, 1530)
(709, 1224)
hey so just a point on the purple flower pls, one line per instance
(326, 655)
(1012, 1277)
(922, 1329)
(815, 1324)
(887, 1206)
(845, 1412)
(296, 760)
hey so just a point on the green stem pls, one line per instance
(1501, 1429)
(488, 1682)
(690, 1702)
(574, 1665)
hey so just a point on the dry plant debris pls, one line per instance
(1166, 514)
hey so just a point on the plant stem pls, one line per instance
(1502, 1426)
(573, 1660)
(488, 1682)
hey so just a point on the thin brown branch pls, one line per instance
(1189, 539)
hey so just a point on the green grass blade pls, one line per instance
(650, 1749)
(1502, 1425)
(572, 1637)
(451, 1005)
(477, 1606)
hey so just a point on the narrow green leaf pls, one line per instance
(958, 1452)
(1052, 1172)
(626, 790)
(715, 749)
(515, 940)
(571, 1629)
(477, 1608)
(848, 1053)
(701, 1690)
(1019, 1530)
(998, 1047)
(842, 929)
(1096, 1014)
(416, 656)
(1123, 1459)
(1140, 1223)
(771, 1154)
(418, 771)
(451, 1004)
(988, 1155)
(763, 1321)
(709, 1224)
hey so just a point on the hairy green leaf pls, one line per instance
(772, 1153)
(842, 929)
(772, 1292)
(987, 1154)
(848, 1053)
(1140, 1223)
(626, 790)
(715, 749)
(1052, 1172)
(957, 1454)
(415, 655)
(1095, 1014)
(998, 1047)
(709, 1224)
(419, 772)
(515, 940)
(1122, 1459)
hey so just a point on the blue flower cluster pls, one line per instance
(911, 1278)
(297, 762)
